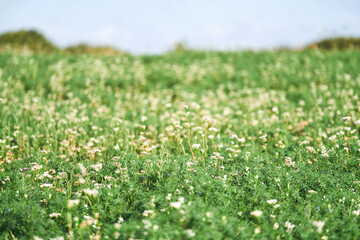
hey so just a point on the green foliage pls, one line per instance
(30, 40)
(337, 44)
(197, 145)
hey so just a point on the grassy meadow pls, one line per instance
(193, 145)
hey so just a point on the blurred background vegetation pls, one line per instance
(31, 41)
(26, 41)
(34, 42)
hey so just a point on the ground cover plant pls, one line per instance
(198, 145)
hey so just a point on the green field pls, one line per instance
(194, 145)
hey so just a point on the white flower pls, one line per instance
(96, 167)
(91, 192)
(212, 129)
(82, 180)
(257, 230)
(319, 225)
(312, 191)
(289, 162)
(117, 225)
(263, 137)
(147, 224)
(72, 202)
(148, 213)
(276, 226)
(190, 233)
(45, 174)
(357, 122)
(332, 138)
(58, 238)
(82, 169)
(271, 201)
(256, 213)
(289, 226)
(357, 213)
(176, 205)
(345, 119)
(55, 215)
(46, 185)
(209, 214)
(188, 164)
(196, 146)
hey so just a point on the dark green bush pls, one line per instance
(30, 40)
(336, 44)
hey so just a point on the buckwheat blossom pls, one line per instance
(147, 223)
(177, 204)
(46, 185)
(357, 213)
(58, 238)
(271, 201)
(257, 230)
(87, 222)
(97, 167)
(276, 226)
(91, 192)
(188, 164)
(289, 162)
(82, 169)
(117, 225)
(148, 213)
(263, 137)
(212, 129)
(45, 175)
(196, 146)
(289, 226)
(55, 215)
(72, 202)
(319, 225)
(346, 119)
(190, 233)
(256, 213)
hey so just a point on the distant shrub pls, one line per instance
(336, 44)
(87, 49)
(26, 40)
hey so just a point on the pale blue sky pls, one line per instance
(153, 26)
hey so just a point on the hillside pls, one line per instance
(26, 40)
